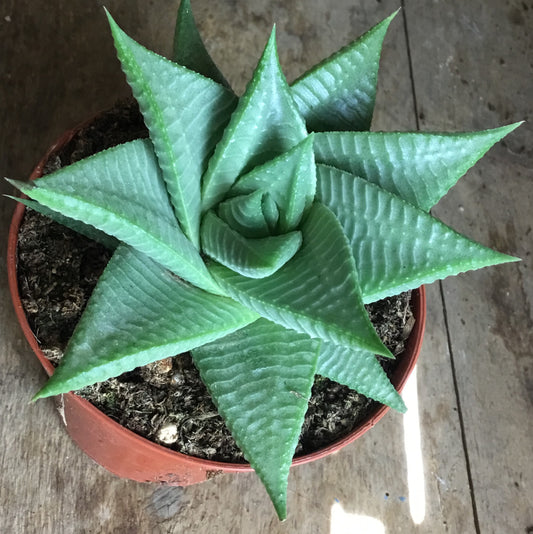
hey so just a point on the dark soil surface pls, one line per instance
(165, 402)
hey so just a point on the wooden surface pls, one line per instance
(454, 65)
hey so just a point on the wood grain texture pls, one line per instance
(480, 71)
(57, 67)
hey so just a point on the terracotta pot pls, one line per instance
(128, 455)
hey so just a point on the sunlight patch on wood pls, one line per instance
(347, 523)
(413, 451)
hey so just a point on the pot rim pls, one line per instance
(402, 372)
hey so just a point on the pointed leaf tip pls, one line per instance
(392, 16)
(20, 185)
(116, 31)
(189, 49)
(339, 93)
(271, 48)
(281, 509)
(507, 129)
(36, 397)
(396, 246)
(139, 313)
(419, 167)
(110, 19)
(261, 378)
(359, 370)
(105, 202)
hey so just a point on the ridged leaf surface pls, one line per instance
(137, 314)
(186, 114)
(252, 257)
(296, 248)
(396, 246)
(359, 370)
(121, 192)
(316, 293)
(339, 93)
(77, 226)
(265, 124)
(418, 167)
(260, 379)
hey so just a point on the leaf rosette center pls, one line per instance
(255, 230)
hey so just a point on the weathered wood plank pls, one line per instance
(59, 68)
(478, 75)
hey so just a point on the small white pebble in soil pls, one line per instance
(7, 18)
(168, 434)
(177, 379)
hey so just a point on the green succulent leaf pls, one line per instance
(270, 212)
(340, 92)
(260, 379)
(298, 232)
(289, 178)
(121, 192)
(77, 226)
(139, 313)
(254, 258)
(265, 124)
(186, 114)
(189, 49)
(316, 293)
(359, 370)
(245, 214)
(396, 246)
(418, 167)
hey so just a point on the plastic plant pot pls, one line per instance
(131, 456)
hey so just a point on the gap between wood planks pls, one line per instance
(443, 300)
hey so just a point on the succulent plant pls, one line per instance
(252, 231)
